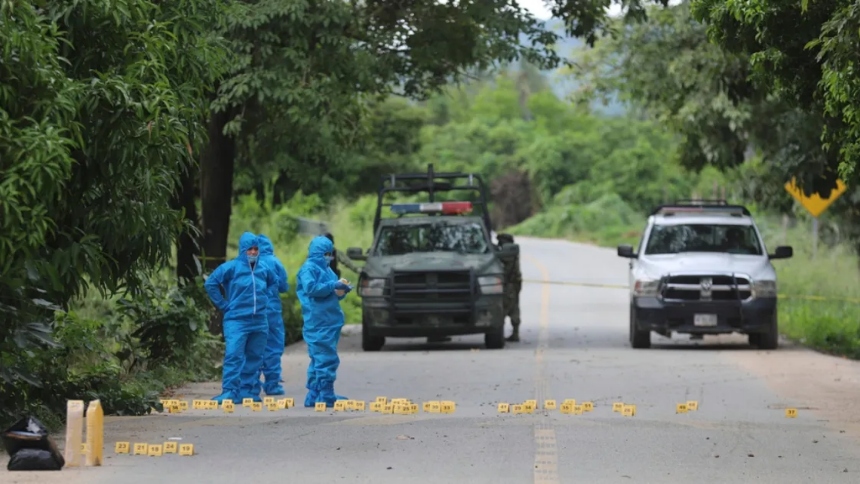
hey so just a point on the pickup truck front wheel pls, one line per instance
(768, 340)
(638, 338)
(368, 341)
(495, 338)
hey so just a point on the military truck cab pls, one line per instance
(433, 269)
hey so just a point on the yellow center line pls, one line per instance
(546, 448)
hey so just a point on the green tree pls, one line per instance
(94, 130)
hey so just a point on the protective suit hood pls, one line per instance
(317, 250)
(265, 245)
(246, 241)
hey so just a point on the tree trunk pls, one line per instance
(216, 176)
(186, 246)
(216, 172)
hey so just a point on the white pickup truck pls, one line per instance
(702, 268)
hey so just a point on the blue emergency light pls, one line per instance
(446, 208)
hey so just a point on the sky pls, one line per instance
(539, 10)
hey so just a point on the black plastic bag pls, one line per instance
(30, 433)
(33, 460)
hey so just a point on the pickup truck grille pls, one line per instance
(707, 287)
(432, 287)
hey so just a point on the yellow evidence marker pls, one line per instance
(272, 406)
(382, 400)
(171, 447)
(339, 406)
(517, 409)
(413, 408)
(448, 406)
(681, 408)
(588, 406)
(319, 407)
(227, 407)
(183, 405)
(617, 406)
(186, 449)
(155, 450)
(629, 411)
(197, 404)
(375, 407)
(140, 449)
(257, 406)
(549, 404)
(388, 408)
(504, 408)
(571, 401)
(290, 402)
(790, 413)
(247, 402)
(577, 409)
(566, 408)
(692, 405)
(121, 447)
(268, 400)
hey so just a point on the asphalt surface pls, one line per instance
(574, 346)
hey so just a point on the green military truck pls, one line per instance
(433, 269)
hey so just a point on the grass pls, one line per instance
(819, 296)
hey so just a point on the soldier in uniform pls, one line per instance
(513, 285)
(338, 257)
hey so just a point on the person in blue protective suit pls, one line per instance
(316, 288)
(247, 282)
(271, 369)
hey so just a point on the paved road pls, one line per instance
(575, 346)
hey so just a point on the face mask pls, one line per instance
(329, 258)
(252, 258)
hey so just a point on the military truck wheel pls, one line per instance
(495, 338)
(370, 342)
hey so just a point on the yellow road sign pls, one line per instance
(815, 204)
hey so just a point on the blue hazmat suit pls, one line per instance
(247, 284)
(323, 320)
(271, 368)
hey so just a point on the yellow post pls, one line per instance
(74, 432)
(95, 433)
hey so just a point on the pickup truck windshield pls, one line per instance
(732, 239)
(432, 237)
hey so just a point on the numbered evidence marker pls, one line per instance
(617, 406)
(268, 400)
(186, 449)
(319, 407)
(290, 402)
(549, 404)
(257, 406)
(183, 405)
(155, 450)
(577, 410)
(448, 406)
(566, 408)
(122, 447)
(692, 405)
(681, 408)
(504, 408)
(790, 413)
(376, 407)
(588, 406)
(228, 407)
(199, 404)
(340, 405)
(140, 449)
(170, 447)
(272, 406)
(247, 402)
(629, 411)
(381, 400)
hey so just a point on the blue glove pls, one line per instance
(342, 287)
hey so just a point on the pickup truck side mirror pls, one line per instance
(782, 252)
(626, 251)
(355, 253)
(509, 250)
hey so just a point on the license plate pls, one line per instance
(705, 320)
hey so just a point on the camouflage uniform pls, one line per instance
(513, 285)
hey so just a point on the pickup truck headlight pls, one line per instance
(371, 288)
(646, 287)
(491, 284)
(764, 289)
